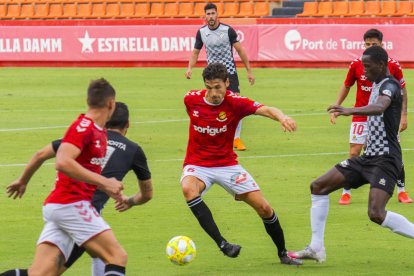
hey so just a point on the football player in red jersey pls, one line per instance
(358, 131)
(214, 114)
(67, 211)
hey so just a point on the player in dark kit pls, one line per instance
(219, 40)
(121, 157)
(379, 166)
(214, 115)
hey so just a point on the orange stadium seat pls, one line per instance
(128, 10)
(372, 8)
(246, 9)
(261, 9)
(170, 10)
(41, 10)
(186, 10)
(340, 8)
(199, 9)
(157, 10)
(324, 9)
(13, 11)
(142, 10)
(309, 9)
(55, 10)
(98, 10)
(84, 10)
(27, 11)
(112, 10)
(3, 10)
(404, 8)
(220, 8)
(356, 8)
(70, 10)
(388, 8)
(230, 10)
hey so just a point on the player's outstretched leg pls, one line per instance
(204, 216)
(402, 194)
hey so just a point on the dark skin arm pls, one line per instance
(376, 108)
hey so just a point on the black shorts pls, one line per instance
(234, 83)
(380, 171)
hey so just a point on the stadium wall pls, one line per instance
(269, 42)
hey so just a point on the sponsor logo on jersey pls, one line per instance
(366, 88)
(212, 131)
(222, 117)
(98, 161)
(387, 92)
(382, 182)
(117, 144)
(195, 113)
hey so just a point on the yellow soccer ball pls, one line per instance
(181, 250)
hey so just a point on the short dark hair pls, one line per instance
(120, 117)
(377, 54)
(373, 33)
(210, 6)
(99, 92)
(215, 71)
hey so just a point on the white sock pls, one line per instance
(398, 224)
(98, 267)
(345, 191)
(238, 130)
(400, 189)
(319, 213)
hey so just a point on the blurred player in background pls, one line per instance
(214, 114)
(219, 40)
(121, 157)
(358, 131)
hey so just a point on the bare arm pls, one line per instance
(342, 94)
(143, 196)
(67, 164)
(404, 123)
(242, 53)
(18, 187)
(376, 108)
(192, 62)
(287, 123)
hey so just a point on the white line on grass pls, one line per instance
(240, 157)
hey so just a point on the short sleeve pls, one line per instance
(79, 133)
(397, 72)
(391, 89)
(198, 42)
(140, 166)
(351, 76)
(232, 36)
(245, 106)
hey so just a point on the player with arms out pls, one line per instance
(67, 211)
(122, 156)
(379, 166)
(214, 114)
(358, 131)
(220, 39)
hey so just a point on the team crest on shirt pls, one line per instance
(222, 116)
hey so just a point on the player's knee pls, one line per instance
(190, 190)
(376, 215)
(265, 210)
(315, 187)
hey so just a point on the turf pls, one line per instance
(37, 104)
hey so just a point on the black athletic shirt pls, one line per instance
(122, 155)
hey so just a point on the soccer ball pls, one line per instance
(181, 250)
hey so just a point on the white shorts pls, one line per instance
(66, 224)
(234, 179)
(358, 133)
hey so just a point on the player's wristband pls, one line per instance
(131, 201)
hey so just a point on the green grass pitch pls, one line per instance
(37, 104)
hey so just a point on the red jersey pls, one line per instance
(212, 128)
(91, 140)
(364, 86)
